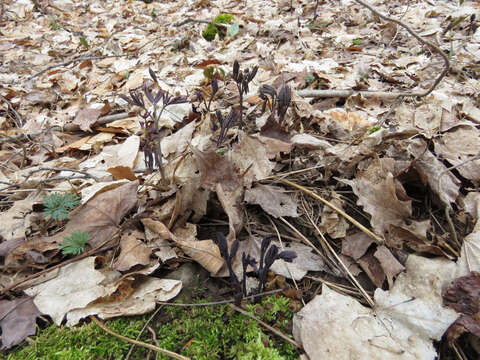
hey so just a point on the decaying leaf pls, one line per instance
(17, 320)
(378, 194)
(205, 252)
(133, 252)
(402, 325)
(76, 286)
(272, 199)
(463, 296)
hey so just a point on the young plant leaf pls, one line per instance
(233, 30)
(74, 244)
(58, 206)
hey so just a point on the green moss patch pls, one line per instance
(203, 332)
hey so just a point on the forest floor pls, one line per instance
(239, 179)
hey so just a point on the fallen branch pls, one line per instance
(432, 46)
(385, 94)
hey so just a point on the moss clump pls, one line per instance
(86, 342)
(212, 30)
(203, 333)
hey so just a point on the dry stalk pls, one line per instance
(375, 237)
(268, 327)
(352, 278)
(136, 342)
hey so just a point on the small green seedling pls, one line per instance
(84, 42)
(55, 26)
(212, 30)
(357, 42)
(75, 244)
(373, 129)
(57, 206)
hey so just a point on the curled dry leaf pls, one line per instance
(76, 286)
(458, 146)
(133, 252)
(446, 186)
(377, 192)
(205, 252)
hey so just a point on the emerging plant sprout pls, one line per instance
(151, 139)
(242, 78)
(268, 255)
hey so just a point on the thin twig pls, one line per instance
(142, 330)
(46, 271)
(265, 325)
(136, 342)
(344, 266)
(222, 302)
(384, 94)
(60, 169)
(190, 20)
(375, 237)
(77, 59)
(452, 226)
(18, 119)
(68, 127)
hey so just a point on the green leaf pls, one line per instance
(223, 18)
(55, 26)
(74, 244)
(84, 42)
(373, 129)
(208, 72)
(58, 206)
(233, 30)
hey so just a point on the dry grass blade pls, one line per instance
(139, 343)
(375, 237)
(266, 326)
(352, 278)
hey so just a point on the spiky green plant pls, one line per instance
(57, 206)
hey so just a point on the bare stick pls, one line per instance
(268, 327)
(136, 342)
(375, 237)
(18, 120)
(141, 331)
(383, 94)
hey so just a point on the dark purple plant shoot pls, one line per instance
(242, 78)
(151, 139)
(280, 101)
(201, 98)
(225, 124)
(268, 255)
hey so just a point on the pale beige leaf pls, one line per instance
(273, 200)
(133, 252)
